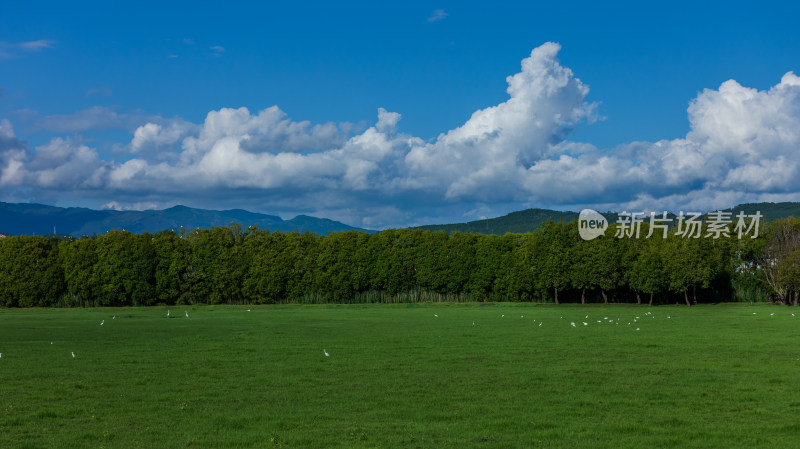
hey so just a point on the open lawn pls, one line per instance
(400, 377)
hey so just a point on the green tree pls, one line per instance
(788, 274)
(432, 265)
(394, 256)
(647, 271)
(302, 251)
(512, 271)
(337, 265)
(78, 259)
(783, 239)
(558, 244)
(30, 273)
(173, 261)
(218, 264)
(461, 261)
(270, 266)
(489, 261)
(597, 265)
(686, 264)
(124, 273)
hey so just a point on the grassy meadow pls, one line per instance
(399, 376)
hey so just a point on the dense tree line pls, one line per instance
(553, 264)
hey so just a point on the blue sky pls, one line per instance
(621, 106)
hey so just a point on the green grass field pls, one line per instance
(399, 377)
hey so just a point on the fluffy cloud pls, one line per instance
(741, 146)
(237, 149)
(153, 136)
(6, 133)
(60, 164)
(501, 141)
(267, 132)
(12, 155)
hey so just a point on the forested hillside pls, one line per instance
(516, 222)
(235, 265)
(530, 219)
(39, 219)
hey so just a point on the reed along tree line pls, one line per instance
(233, 265)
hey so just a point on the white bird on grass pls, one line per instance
(572, 324)
(540, 324)
(167, 313)
(187, 314)
(102, 322)
(435, 315)
(326, 353)
(73, 355)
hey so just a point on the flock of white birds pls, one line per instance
(185, 312)
(606, 320)
(114, 317)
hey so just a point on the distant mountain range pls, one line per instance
(38, 219)
(516, 222)
(530, 219)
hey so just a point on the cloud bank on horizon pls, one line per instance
(741, 147)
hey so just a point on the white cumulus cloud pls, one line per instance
(58, 164)
(154, 135)
(742, 145)
(501, 142)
